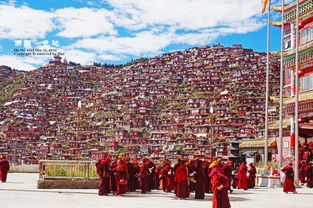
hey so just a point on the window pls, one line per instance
(306, 83)
(306, 35)
(286, 145)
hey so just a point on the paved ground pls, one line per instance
(20, 192)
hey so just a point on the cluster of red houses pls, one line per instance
(186, 103)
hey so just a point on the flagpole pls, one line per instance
(297, 99)
(267, 85)
(280, 142)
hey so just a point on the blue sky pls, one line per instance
(116, 31)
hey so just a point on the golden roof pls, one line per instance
(275, 124)
(308, 95)
(255, 143)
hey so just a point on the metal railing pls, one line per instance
(67, 169)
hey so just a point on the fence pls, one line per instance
(67, 169)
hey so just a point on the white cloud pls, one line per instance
(26, 63)
(83, 22)
(183, 14)
(144, 42)
(79, 56)
(110, 57)
(24, 22)
(157, 24)
(151, 25)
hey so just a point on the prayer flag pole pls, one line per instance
(297, 99)
(267, 85)
(280, 143)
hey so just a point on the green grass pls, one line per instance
(73, 170)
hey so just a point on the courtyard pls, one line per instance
(20, 191)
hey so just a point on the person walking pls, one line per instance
(289, 183)
(4, 168)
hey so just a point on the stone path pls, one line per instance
(20, 192)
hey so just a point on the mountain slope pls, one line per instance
(171, 104)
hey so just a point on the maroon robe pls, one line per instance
(156, 178)
(289, 184)
(302, 170)
(112, 177)
(242, 174)
(220, 197)
(144, 177)
(121, 179)
(174, 169)
(151, 168)
(181, 174)
(200, 178)
(209, 184)
(227, 170)
(132, 184)
(252, 173)
(309, 176)
(4, 169)
(167, 178)
(136, 170)
(191, 170)
(103, 170)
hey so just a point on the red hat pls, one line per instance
(105, 154)
(250, 164)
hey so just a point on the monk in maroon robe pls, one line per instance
(200, 178)
(112, 176)
(179, 162)
(103, 170)
(205, 168)
(136, 170)
(309, 175)
(191, 171)
(151, 167)
(242, 175)
(181, 174)
(209, 184)
(132, 177)
(227, 167)
(144, 176)
(252, 175)
(121, 178)
(4, 169)
(156, 178)
(289, 183)
(302, 171)
(219, 185)
(167, 177)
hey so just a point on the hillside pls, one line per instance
(177, 103)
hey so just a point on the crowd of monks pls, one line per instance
(306, 173)
(4, 168)
(123, 175)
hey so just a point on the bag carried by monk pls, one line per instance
(123, 182)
